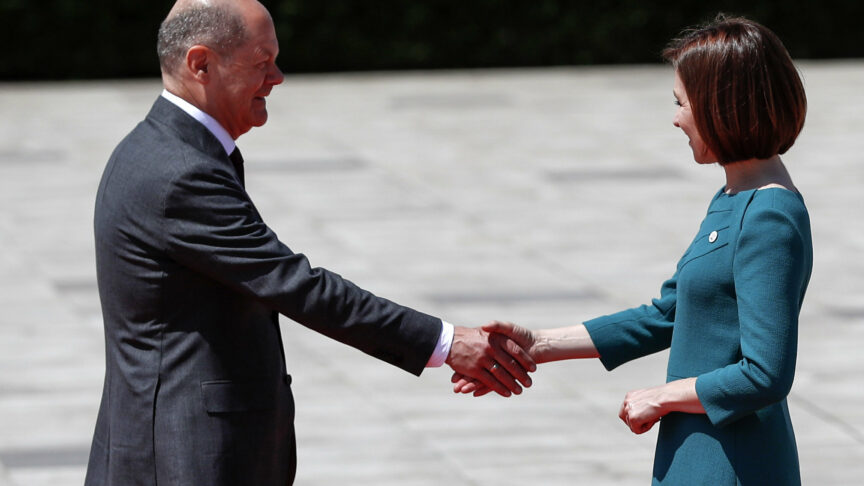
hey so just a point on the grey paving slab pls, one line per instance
(543, 196)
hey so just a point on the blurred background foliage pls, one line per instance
(77, 39)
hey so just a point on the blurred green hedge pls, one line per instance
(67, 39)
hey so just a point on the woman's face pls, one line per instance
(684, 120)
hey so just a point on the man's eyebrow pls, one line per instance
(267, 52)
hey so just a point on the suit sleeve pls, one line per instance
(636, 332)
(212, 228)
(770, 273)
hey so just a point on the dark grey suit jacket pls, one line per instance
(191, 282)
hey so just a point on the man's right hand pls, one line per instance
(491, 359)
(510, 337)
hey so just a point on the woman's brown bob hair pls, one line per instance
(745, 93)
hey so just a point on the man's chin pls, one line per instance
(259, 117)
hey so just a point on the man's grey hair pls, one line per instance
(219, 27)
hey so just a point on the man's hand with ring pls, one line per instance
(492, 359)
(501, 331)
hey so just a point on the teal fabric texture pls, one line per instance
(729, 316)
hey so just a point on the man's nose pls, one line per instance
(275, 76)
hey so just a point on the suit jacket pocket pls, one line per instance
(223, 396)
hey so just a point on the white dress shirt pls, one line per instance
(445, 340)
(208, 121)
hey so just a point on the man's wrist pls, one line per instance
(442, 346)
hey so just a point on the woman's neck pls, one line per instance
(757, 174)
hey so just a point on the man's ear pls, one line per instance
(198, 59)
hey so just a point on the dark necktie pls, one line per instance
(237, 160)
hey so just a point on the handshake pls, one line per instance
(499, 356)
(496, 357)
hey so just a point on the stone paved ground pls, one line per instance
(540, 196)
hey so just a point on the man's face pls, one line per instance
(241, 79)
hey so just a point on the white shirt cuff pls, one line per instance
(442, 348)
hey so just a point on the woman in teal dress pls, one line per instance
(729, 314)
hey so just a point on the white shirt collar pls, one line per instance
(208, 121)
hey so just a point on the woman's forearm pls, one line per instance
(680, 396)
(562, 343)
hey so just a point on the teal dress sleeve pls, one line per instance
(637, 332)
(770, 274)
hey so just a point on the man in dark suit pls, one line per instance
(191, 281)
